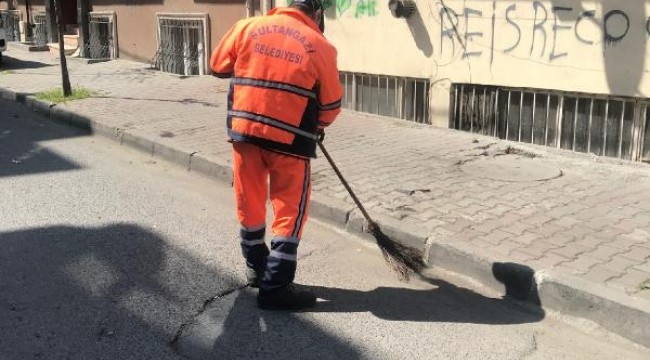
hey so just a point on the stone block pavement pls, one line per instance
(591, 224)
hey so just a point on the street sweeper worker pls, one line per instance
(284, 91)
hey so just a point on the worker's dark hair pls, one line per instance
(309, 7)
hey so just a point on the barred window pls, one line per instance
(602, 125)
(102, 37)
(182, 42)
(398, 97)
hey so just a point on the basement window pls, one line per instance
(182, 40)
(11, 21)
(398, 97)
(602, 125)
(102, 37)
(39, 36)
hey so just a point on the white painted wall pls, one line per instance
(585, 46)
(371, 40)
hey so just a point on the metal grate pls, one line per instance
(11, 20)
(39, 21)
(101, 39)
(181, 46)
(602, 125)
(403, 98)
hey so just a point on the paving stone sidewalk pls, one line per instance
(592, 221)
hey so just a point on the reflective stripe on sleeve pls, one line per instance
(273, 122)
(275, 85)
(331, 106)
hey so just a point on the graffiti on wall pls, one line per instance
(546, 36)
(366, 8)
(354, 8)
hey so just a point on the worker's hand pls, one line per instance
(320, 133)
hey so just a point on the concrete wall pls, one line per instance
(585, 46)
(137, 27)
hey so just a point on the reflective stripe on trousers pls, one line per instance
(280, 264)
(253, 247)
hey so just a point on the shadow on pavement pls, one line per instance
(122, 292)
(80, 293)
(10, 63)
(20, 134)
(445, 303)
(232, 326)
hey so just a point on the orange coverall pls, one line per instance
(284, 88)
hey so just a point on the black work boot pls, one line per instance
(285, 298)
(254, 277)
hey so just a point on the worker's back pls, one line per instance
(278, 63)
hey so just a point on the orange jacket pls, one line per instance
(285, 82)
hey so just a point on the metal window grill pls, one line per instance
(398, 97)
(101, 39)
(602, 125)
(11, 20)
(181, 45)
(39, 36)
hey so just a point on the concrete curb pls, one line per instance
(211, 168)
(620, 314)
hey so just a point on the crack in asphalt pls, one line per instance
(533, 348)
(174, 341)
(203, 308)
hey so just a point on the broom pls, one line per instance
(401, 259)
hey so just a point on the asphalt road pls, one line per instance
(108, 254)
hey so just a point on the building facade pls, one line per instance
(562, 73)
(174, 35)
(167, 32)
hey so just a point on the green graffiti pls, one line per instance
(366, 8)
(341, 5)
(363, 7)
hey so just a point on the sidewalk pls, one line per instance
(476, 205)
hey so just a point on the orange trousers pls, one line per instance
(258, 174)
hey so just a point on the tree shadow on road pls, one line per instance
(123, 292)
(21, 131)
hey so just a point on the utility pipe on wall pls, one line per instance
(250, 12)
(267, 5)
